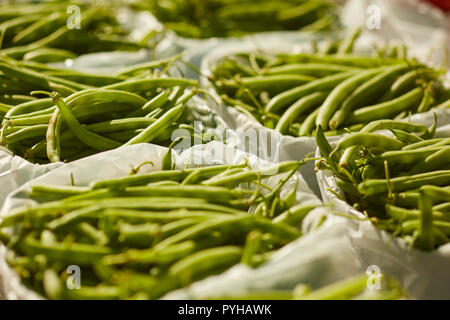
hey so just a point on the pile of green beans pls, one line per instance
(47, 32)
(224, 18)
(400, 181)
(333, 88)
(143, 235)
(353, 288)
(90, 113)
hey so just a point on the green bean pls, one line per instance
(409, 198)
(440, 231)
(119, 125)
(425, 144)
(75, 253)
(252, 246)
(152, 131)
(85, 78)
(364, 92)
(407, 81)
(308, 125)
(310, 69)
(52, 284)
(294, 216)
(343, 59)
(134, 216)
(62, 89)
(166, 162)
(341, 290)
(402, 214)
(393, 124)
(100, 292)
(434, 143)
(347, 45)
(70, 84)
(29, 107)
(231, 180)
(104, 95)
(387, 109)
(338, 95)
(406, 136)
(59, 190)
(319, 25)
(281, 100)
(433, 161)
(322, 143)
(11, 25)
(53, 141)
(154, 104)
(437, 178)
(90, 139)
(210, 193)
(299, 12)
(436, 193)
(175, 175)
(97, 236)
(15, 99)
(4, 109)
(48, 55)
(329, 47)
(139, 236)
(170, 254)
(408, 156)
(129, 71)
(444, 208)
(427, 101)
(28, 76)
(301, 106)
(271, 83)
(205, 262)
(38, 29)
(369, 140)
(339, 132)
(174, 227)
(26, 133)
(444, 105)
(164, 203)
(251, 175)
(374, 126)
(149, 84)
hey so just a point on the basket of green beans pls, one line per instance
(51, 31)
(146, 234)
(330, 86)
(398, 178)
(71, 114)
(226, 18)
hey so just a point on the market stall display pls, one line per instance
(224, 149)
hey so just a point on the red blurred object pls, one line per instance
(443, 4)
